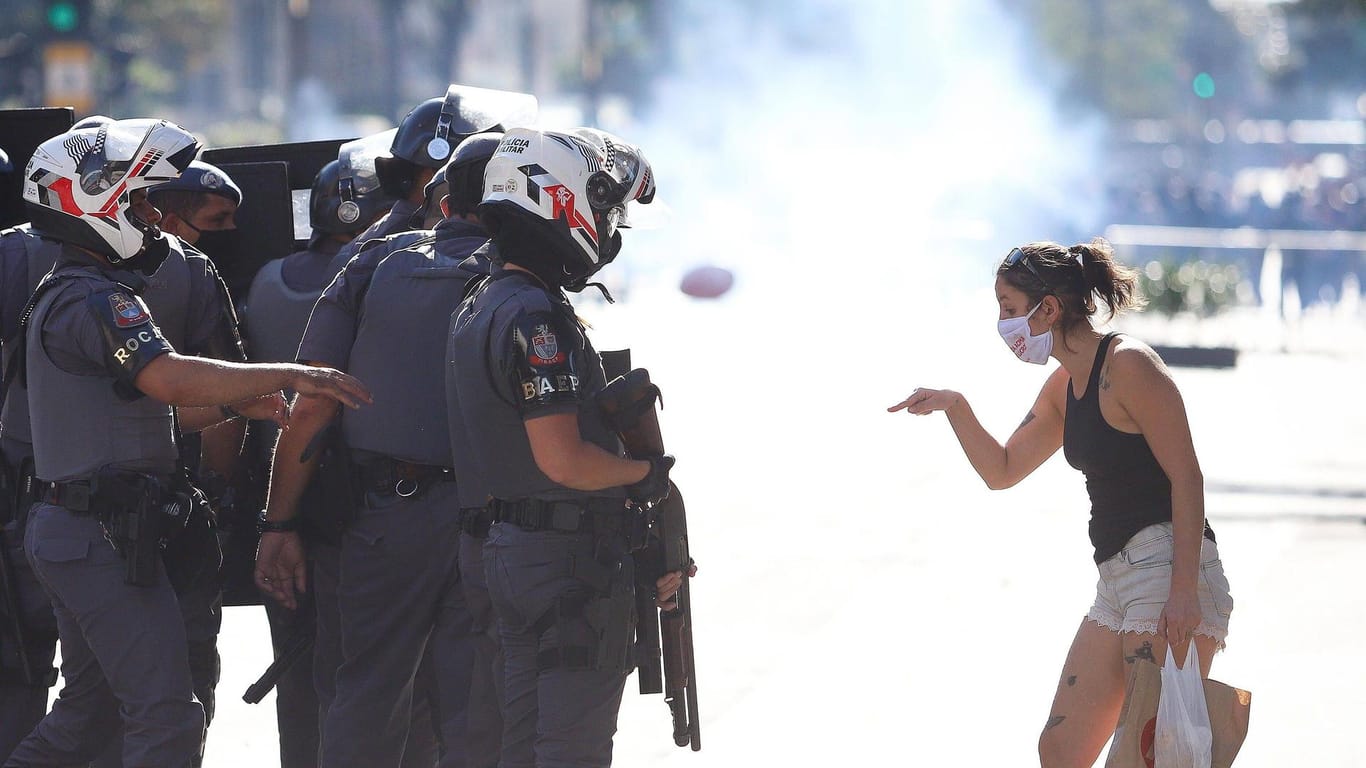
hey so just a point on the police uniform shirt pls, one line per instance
(98, 325)
(384, 320)
(211, 328)
(89, 337)
(398, 219)
(14, 283)
(517, 352)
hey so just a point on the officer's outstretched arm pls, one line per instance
(198, 381)
(563, 455)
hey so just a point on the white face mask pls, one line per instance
(1025, 345)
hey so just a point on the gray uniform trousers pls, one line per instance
(421, 748)
(485, 718)
(558, 717)
(326, 573)
(124, 654)
(193, 562)
(296, 700)
(23, 706)
(401, 608)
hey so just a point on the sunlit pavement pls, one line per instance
(864, 600)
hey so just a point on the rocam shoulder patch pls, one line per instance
(128, 312)
(545, 346)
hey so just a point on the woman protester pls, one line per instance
(1116, 413)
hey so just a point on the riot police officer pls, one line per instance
(195, 315)
(523, 376)
(100, 376)
(187, 290)
(422, 144)
(345, 199)
(385, 318)
(28, 632)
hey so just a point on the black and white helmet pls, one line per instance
(578, 183)
(78, 185)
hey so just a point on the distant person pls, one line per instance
(1116, 413)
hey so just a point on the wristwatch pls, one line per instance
(275, 526)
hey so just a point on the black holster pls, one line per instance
(329, 503)
(140, 514)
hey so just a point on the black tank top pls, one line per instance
(1129, 490)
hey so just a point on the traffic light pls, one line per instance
(1203, 85)
(67, 18)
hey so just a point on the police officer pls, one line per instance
(194, 313)
(385, 317)
(25, 256)
(100, 375)
(278, 304)
(422, 144)
(202, 200)
(523, 377)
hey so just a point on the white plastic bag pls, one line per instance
(1183, 736)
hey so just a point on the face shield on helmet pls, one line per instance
(432, 130)
(578, 182)
(359, 199)
(79, 185)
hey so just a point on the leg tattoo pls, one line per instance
(1054, 722)
(1144, 651)
(1071, 681)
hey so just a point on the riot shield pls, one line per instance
(303, 160)
(21, 131)
(273, 220)
(265, 224)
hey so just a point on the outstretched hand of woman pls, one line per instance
(924, 400)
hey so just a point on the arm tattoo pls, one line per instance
(1105, 377)
(1071, 681)
(1028, 418)
(1054, 722)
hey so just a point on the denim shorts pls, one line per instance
(1134, 585)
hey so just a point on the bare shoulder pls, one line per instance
(1055, 390)
(1134, 367)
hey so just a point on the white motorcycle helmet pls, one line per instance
(78, 185)
(576, 186)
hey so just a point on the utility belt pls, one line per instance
(395, 477)
(594, 616)
(594, 514)
(138, 513)
(475, 521)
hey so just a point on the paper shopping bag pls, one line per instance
(1132, 746)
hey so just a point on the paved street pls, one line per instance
(865, 600)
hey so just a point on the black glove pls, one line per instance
(654, 487)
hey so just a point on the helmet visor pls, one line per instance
(357, 159)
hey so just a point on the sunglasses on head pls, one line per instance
(1017, 256)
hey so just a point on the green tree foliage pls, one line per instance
(163, 41)
(1123, 56)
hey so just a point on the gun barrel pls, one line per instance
(299, 643)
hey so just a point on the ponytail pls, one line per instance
(1103, 276)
